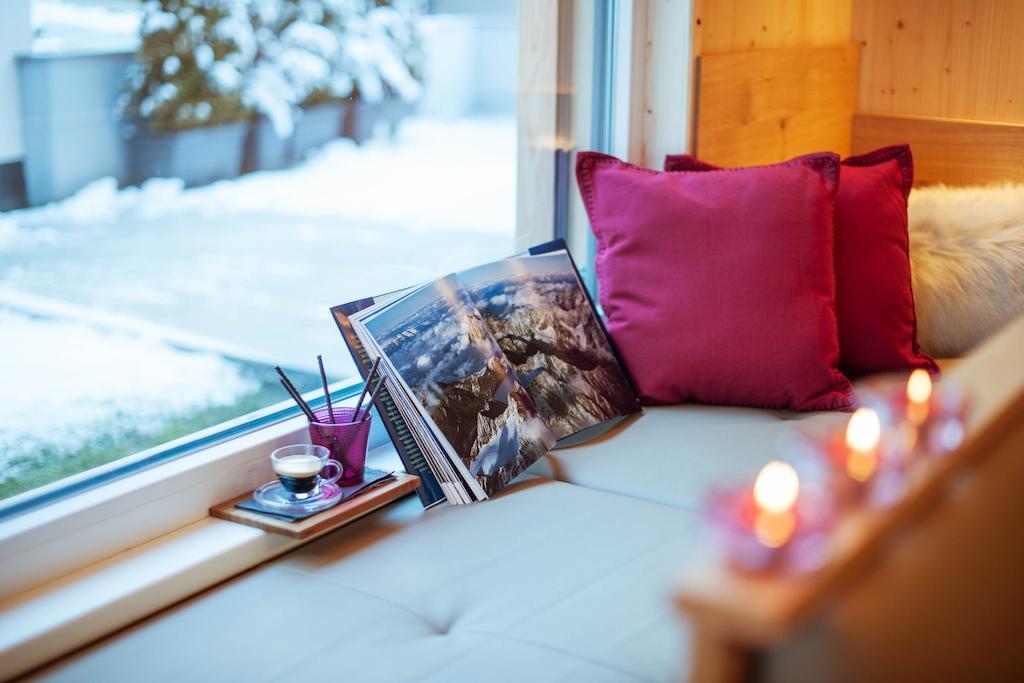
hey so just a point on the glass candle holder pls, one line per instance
(870, 460)
(947, 426)
(759, 536)
(934, 415)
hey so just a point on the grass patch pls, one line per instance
(49, 461)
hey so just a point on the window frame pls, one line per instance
(173, 485)
(181, 447)
(111, 511)
(128, 465)
(92, 530)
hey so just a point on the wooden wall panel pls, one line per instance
(950, 58)
(660, 95)
(763, 106)
(953, 151)
(734, 25)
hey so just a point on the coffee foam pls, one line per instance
(298, 466)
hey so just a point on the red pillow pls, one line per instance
(719, 286)
(874, 299)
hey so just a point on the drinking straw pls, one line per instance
(298, 400)
(295, 394)
(327, 394)
(373, 396)
(366, 385)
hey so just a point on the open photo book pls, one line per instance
(487, 369)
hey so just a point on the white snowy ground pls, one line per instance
(132, 306)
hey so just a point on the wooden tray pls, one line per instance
(337, 516)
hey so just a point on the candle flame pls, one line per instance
(863, 430)
(776, 487)
(919, 386)
(863, 433)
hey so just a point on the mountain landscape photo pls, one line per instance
(536, 309)
(440, 346)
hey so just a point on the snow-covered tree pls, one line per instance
(189, 68)
(203, 62)
(297, 59)
(382, 49)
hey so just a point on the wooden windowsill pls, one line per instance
(60, 616)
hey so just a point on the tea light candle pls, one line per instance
(774, 523)
(919, 394)
(869, 461)
(775, 492)
(934, 415)
(863, 433)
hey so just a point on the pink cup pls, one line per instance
(345, 439)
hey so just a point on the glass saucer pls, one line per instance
(275, 497)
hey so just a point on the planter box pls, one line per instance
(196, 155)
(364, 118)
(70, 123)
(12, 186)
(264, 150)
(318, 125)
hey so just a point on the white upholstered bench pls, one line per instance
(568, 575)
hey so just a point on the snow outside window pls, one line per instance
(182, 219)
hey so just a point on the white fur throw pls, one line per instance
(967, 263)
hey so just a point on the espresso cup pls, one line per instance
(300, 469)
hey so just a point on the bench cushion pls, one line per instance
(566, 576)
(674, 454)
(547, 581)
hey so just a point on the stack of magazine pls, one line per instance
(487, 369)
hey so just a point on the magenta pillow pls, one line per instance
(874, 299)
(719, 286)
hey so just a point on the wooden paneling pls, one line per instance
(660, 82)
(733, 25)
(763, 106)
(949, 58)
(953, 151)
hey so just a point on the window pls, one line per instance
(186, 188)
